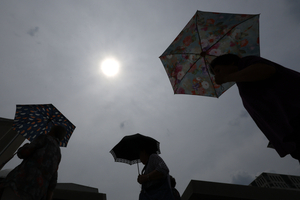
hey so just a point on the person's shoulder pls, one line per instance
(46, 138)
(41, 137)
(155, 156)
(249, 60)
(39, 140)
(251, 57)
(254, 59)
(53, 139)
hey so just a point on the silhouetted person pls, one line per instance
(36, 177)
(271, 95)
(176, 194)
(155, 177)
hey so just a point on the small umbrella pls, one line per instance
(33, 120)
(127, 150)
(206, 36)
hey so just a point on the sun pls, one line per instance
(110, 67)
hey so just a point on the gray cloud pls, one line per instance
(242, 178)
(33, 31)
(293, 9)
(122, 125)
(206, 138)
(242, 115)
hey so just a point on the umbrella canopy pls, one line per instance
(206, 36)
(128, 149)
(33, 120)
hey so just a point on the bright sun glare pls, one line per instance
(110, 67)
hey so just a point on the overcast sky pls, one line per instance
(51, 53)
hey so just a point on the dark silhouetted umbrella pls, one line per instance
(33, 120)
(128, 149)
(206, 36)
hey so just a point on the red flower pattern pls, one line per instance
(181, 91)
(187, 40)
(210, 21)
(234, 40)
(244, 43)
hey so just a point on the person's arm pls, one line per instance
(25, 151)
(28, 148)
(255, 72)
(154, 175)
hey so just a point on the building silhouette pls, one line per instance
(69, 191)
(72, 191)
(10, 140)
(271, 180)
(267, 186)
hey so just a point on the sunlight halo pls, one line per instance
(110, 67)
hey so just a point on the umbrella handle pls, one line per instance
(138, 168)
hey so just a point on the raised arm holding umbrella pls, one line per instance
(270, 94)
(229, 43)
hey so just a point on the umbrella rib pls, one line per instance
(210, 78)
(198, 34)
(193, 53)
(229, 31)
(44, 116)
(51, 114)
(206, 62)
(188, 72)
(184, 53)
(197, 30)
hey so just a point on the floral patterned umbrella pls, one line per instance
(206, 36)
(33, 120)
